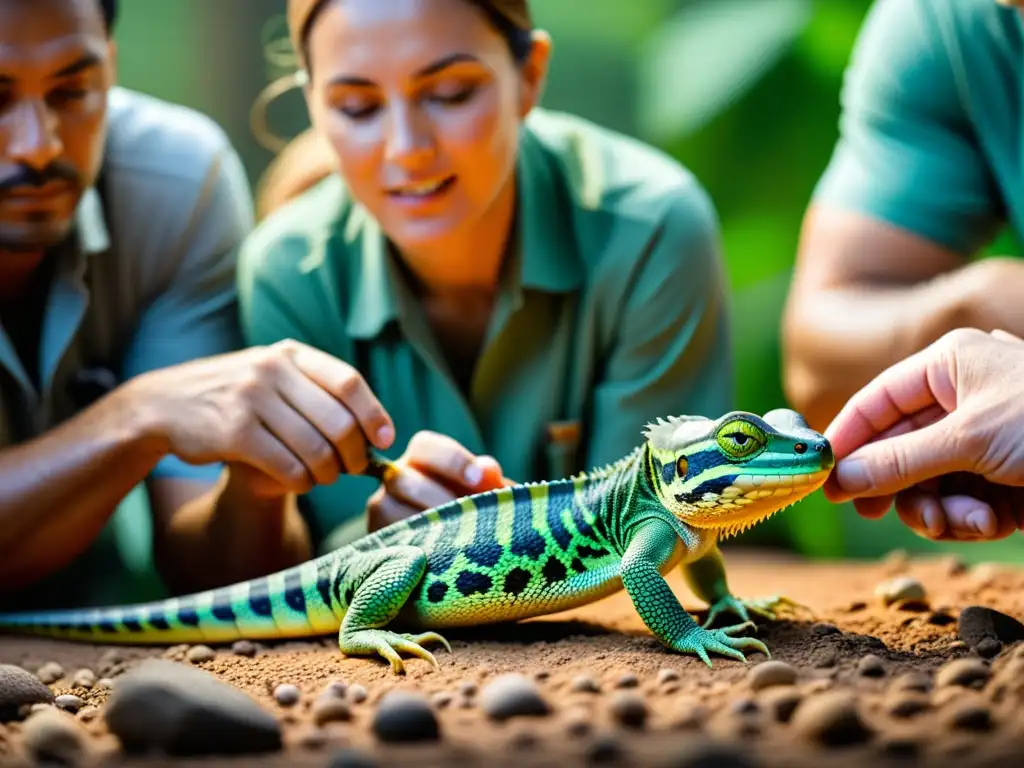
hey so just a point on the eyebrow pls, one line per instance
(84, 62)
(430, 69)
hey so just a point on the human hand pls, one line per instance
(434, 470)
(285, 417)
(938, 433)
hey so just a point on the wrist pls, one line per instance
(130, 416)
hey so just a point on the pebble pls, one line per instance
(469, 687)
(969, 716)
(52, 736)
(770, 673)
(50, 673)
(180, 709)
(199, 654)
(780, 702)
(69, 702)
(912, 681)
(351, 757)
(627, 680)
(356, 693)
(899, 590)
(823, 629)
(88, 714)
(243, 648)
(441, 699)
(871, 666)
(513, 695)
(404, 716)
(907, 704)
(969, 673)
(605, 748)
(84, 678)
(330, 709)
(105, 683)
(336, 688)
(628, 709)
(578, 722)
(976, 623)
(584, 684)
(19, 687)
(830, 719)
(667, 676)
(988, 648)
(287, 695)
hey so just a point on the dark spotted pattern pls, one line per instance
(188, 616)
(437, 591)
(294, 596)
(484, 550)
(222, 609)
(516, 581)
(259, 598)
(554, 570)
(715, 485)
(560, 498)
(526, 542)
(471, 582)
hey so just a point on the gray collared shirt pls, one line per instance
(146, 281)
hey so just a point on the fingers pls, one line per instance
(1002, 335)
(957, 517)
(344, 382)
(266, 453)
(447, 461)
(382, 510)
(915, 384)
(417, 490)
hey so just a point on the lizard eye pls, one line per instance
(682, 467)
(740, 440)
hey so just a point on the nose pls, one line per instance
(33, 138)
(820, 446)
(410, 143)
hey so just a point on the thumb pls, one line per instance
(893, 464)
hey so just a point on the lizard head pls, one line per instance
(733, 472)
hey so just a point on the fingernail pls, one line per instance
(852, 475)
(982, 521)
(932, 519)
(473, 474)
(385, 435)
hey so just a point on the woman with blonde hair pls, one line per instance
(522, 289)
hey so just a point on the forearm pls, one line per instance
(836, 339)
(229, 534)
(59, 490)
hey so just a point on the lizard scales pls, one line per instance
(514, 553)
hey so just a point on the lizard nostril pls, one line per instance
(800, 447)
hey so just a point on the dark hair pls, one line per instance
(109, 9)
(510, 17)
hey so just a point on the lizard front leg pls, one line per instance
(382, 582)
(650, 547)
(706, 578)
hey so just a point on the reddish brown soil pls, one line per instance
(607, 640)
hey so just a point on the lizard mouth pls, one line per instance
(752, 498)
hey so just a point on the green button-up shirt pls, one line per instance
(931, 133)
(611, 312)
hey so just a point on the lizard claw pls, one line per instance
(700, 641)
(765, 607)
(389, 645)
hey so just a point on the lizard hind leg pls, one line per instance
(382, 582)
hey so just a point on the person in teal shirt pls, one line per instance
(926, 173)
(522, 289)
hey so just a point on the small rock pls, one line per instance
(287, 695)
(969, 673)
(403, 716)
(831, 719)
(976, 623)
(969, 716)
(69, 702)
(52, 736)
(899, 590)
(627, 680)
(912, 681)
(18, 688)
(84, 678)
(541, 675)
(780, 702)
(744, 706)
(578, 722)
(199, 654)
(356, 693)
(182, 710)
(330, 709)
(871, 666)
(50, 672)
(513, 695)
(988, 648)
(604, 749)
(441, 699)
(105, 684)
(337, 688)
(351, 757)
(907, 704)
(584, 684)
(770, 673)
(629, 709)
(827, 659)
(88, 714)
(469, 687)
(667, 676)
(243, 648)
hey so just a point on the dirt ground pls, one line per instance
(890, 659)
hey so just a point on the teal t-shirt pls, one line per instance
(932, 138)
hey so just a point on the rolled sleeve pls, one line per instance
(907, 152)
(672, 354)
(197, 315)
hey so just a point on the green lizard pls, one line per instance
(517, 552)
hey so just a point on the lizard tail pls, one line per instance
(297, 602)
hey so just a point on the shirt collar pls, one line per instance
(545, 245)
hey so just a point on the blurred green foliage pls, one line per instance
(744, 92)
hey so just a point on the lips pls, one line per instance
(423, 189)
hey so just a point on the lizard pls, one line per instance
(519, 551)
